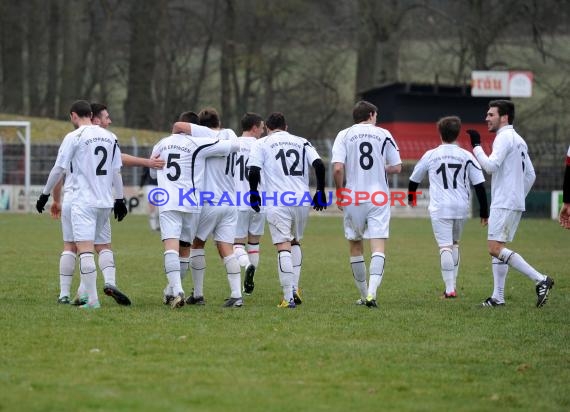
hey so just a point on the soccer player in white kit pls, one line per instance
(100, 117)
(250, 225)
(218, 217)
(364, 153)
(285, 159)
(450, 170)
(512, 178)
(95, 157)
(181, 182)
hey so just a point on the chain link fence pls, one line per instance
(547, 150)
(547, 154)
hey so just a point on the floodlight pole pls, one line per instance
(27, 165)
(27, 140)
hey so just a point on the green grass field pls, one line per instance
(415, 353)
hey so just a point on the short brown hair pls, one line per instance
(276, 120)
(449, 128)
(209, 117)
(249, 120)
(82, 108)
(361, 111)
(504, 107)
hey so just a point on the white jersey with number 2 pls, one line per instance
(92, 155)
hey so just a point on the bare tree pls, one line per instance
(35, 29)
(75, 25)
(139, 105)
(382, 24)
(53, 34)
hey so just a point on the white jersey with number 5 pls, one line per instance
(366, 150)
(450, 170)
(286, 160)
(182, 177)
(512, 170)
(92, 155)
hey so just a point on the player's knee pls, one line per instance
(494, 248)
(198, 243)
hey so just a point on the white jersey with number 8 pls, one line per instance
(366, 150)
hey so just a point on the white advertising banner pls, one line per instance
(13, 199)
(501, 83)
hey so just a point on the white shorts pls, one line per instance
(249, 221)
(287, 222)
(366, 221)
(447, 231)
(175, 224)
(91, 224)
(66, 226)
(503, 224)
(218, 221)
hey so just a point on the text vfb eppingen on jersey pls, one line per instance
(344, 197)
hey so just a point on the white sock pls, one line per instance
(285, 269)
(359, 273)
(376, 273)
(297, 259)
(154, 220)
(66, 269)
(516, 261)
(241, 255)
(198, 267)
(500, 271)
(81, 289)
(88, 272)
(456, 260)
(184, 265)
(447, 269)
(234, 275)
(107, 266)
(253, 253)
(172, 270)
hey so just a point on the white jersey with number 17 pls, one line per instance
(450, 170)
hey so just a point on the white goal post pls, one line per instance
(26, 140)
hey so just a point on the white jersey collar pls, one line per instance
(506, 127)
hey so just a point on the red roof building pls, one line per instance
(410, 113)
